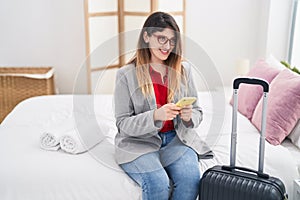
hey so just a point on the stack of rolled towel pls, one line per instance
(76, 138)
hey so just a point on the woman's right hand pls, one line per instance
(166, 112)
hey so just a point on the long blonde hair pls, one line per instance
(157, 22)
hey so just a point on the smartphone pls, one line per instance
(185, 101)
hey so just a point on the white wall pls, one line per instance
(51, 32)
(227, 30)
(44, 32)
(234, 29)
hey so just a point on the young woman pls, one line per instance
(156, 144)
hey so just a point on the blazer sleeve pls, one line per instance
(127, 121)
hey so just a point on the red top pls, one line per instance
(161, 94)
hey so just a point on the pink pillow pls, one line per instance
(249, 95)
(283, 107)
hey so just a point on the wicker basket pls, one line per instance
(19, 83)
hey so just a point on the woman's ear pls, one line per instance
(146, 37)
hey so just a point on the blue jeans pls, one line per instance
(170, 173)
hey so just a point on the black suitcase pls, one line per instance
(240, 183)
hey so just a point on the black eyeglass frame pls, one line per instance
(172, 41)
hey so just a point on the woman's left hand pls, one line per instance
(186, 113)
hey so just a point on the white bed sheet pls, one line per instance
(31, 173)
(294, 150)
(27, 172)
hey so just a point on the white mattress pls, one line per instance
(294, 150)
(28, 172)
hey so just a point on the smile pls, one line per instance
(164, 52)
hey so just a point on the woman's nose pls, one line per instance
(167, 46)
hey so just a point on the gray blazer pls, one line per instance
(137, 130)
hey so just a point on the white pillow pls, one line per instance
(295, 135)
(272, 61)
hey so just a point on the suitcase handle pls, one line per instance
(259, 174)
(265, 86)
(253, 81)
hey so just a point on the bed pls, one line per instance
(29, 172)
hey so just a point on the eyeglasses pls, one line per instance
(163, 40)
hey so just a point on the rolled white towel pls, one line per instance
(49, 142)
(83, 137)
(71, 144)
